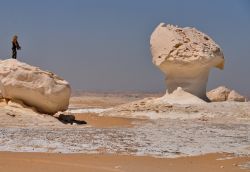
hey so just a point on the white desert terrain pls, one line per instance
(186, 128)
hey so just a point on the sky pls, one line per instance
(103, 45)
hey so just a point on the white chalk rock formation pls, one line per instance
(179, 96)
(235, 96)
(34, 87)
(223, 93)
(185, 56)
(218, 94)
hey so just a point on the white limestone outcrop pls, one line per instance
(43, 90)
(223, 93)
(185, 56)
(218, 94)
(235, 96)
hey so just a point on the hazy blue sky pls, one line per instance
(104, 44)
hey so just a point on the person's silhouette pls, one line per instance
(15, 46)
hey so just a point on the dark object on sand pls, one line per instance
(70, 119)
(12, 115)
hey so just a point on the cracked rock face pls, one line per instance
(185, 56)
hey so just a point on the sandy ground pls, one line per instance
(40, 162)
(106, 100)
(94, 120)
(112, 141)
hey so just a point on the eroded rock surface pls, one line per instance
(43, 90)
(218, 94)
(223, 93)
(185, 56)
(235, 96)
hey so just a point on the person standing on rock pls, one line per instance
(15, 46)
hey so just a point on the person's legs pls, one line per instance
(14, 54)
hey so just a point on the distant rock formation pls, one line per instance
(223, 93)
(218, 94)
(34, 87)
(235, 96)
(185, 56)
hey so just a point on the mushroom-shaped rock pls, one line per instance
(185, 56)
(36, 88)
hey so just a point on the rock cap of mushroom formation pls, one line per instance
(43, 90)
(185, 56)
(184, 46)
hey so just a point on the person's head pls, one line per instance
(14, 39)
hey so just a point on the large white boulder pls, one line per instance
(185, 56)
(43, 90)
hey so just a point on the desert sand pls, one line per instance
(113, 143)
(40, 162)
(94, 120)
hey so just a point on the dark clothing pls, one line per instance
(15, 46)
(14, 53)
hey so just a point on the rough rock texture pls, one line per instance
(185, 56)
(218, 94)
(224, 94)
(15, 115)
(234, 96)
(36, 88)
